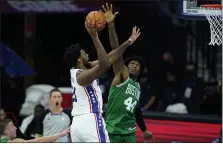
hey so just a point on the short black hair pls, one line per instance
(3, 125)
(72, 54)
(55, 90)
(136, 58)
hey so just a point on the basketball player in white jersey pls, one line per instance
(88, 124)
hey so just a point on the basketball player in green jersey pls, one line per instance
(124, 94)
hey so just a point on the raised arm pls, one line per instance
(110, 17)
(87, 76)
(115, 54)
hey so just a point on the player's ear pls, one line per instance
(6, 131)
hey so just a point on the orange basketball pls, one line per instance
(98, 17)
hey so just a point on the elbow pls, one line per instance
(105, 65)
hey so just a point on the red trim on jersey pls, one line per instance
(88, 99)
(97, 127)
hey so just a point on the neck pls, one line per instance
(81, 67)
(133, 77)
(84, 66)
(56, 109)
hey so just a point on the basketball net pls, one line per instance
(215, 21)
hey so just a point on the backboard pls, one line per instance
(191, 9)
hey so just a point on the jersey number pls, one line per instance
(74, 95)
(130, 105)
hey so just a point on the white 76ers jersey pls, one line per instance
(86, 99)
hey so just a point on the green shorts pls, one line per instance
(122, 138)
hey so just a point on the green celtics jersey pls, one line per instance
(122, 101)
(3, 140)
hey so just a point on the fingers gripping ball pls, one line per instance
(96, 20)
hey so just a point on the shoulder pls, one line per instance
(43, 115)
(79, 71)
(123, 83)
(67, 111)
(73, 70)
(17, 140)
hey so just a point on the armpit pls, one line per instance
(78, 72)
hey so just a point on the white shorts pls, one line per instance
(89, 128)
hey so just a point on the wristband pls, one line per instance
(130, 40)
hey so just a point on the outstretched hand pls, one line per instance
(64, 132)
(91, 28)
(108, 13)
(135, 34)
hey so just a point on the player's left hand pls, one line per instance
(108, 12)
(135, 34)
(148, 136)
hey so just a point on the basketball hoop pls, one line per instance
(213, 13)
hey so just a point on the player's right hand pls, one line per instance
(108, 12)
(91, 28)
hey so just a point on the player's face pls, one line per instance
(134, 67)
(2, 114)
(84, 56)
(11, 130)
(56, 98)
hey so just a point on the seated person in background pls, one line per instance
(148, 98)
(191, 90)
(169, 93)
(28, 124)
(8, 134)
(3, 116)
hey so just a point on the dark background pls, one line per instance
(55, 32)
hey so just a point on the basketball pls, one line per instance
(98, 17)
